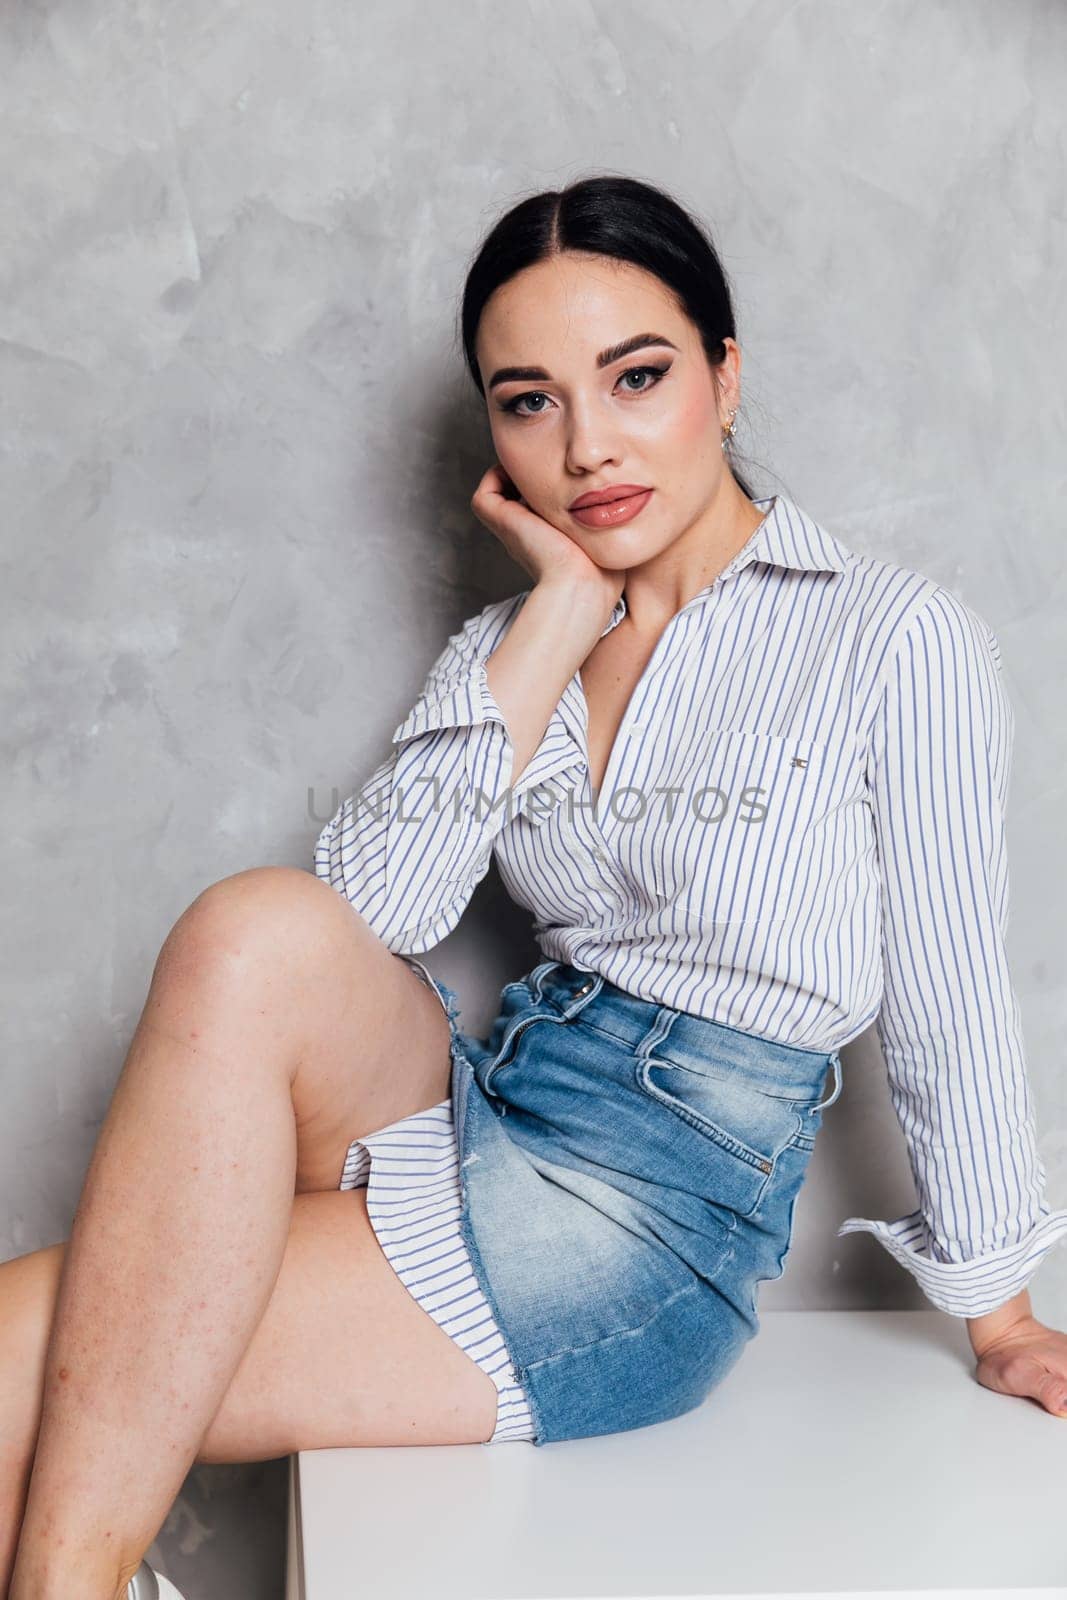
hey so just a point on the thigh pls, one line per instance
(275, 950)
(343, 1354)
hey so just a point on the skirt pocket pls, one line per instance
(748, 1127)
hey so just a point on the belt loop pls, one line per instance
(835, 1062)
(589, 989)
(662, 1023)
(538, 975)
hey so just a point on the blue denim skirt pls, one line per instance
(629, 1174)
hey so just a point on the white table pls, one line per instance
(848, 1453)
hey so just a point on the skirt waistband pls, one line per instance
(681, 1037)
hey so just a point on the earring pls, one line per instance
(729, 431)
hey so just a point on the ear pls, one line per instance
(728, 378)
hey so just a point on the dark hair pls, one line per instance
(608, 216)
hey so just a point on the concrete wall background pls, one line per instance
(239, 446)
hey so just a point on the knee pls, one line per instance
(29, 1285)
(253, 918)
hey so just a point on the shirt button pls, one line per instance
(600, 856)
(636, 728)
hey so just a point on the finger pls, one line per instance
(1015, 1372)
(1055, 1394)
(499, 483)
(492, 482)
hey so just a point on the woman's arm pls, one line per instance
(557, 627)
(985, 1331)
(950, 1031)
(411, 845)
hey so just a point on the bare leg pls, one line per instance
(158, 1300)
(344, 1356)
(181, 1229)
(27, 1298)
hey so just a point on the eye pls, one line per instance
(655, 374)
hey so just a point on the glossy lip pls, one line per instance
(599, 497)
(613, 513)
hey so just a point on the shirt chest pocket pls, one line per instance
(734, 841)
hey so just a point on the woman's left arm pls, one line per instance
(938, 775)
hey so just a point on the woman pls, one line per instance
(750, 786)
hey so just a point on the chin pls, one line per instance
(626, 546)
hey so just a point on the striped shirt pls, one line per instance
(800, 831)
(410, 1170)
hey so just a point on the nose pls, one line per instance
(590, 443)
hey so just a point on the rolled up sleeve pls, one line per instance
(410, 846)
(949, 1026)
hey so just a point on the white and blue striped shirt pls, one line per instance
(800, 832)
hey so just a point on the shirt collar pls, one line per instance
(786, 537)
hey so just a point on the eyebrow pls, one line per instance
(614, 352)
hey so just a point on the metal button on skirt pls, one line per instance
(628, 1177)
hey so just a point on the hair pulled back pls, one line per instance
(613, 216)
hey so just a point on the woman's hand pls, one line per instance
(1027, 1359)
(537, 546)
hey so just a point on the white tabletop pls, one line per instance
(848, 1453)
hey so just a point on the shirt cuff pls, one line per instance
(469, 702)
(462, 703)
(964, 1288)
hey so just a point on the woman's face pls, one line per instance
(567, 425)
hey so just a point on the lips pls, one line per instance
(600, 497)
(604, 514)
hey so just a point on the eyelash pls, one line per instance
(658, 373)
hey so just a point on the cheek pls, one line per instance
(687, 450)
(696, 419)
(682, 428)
(522, 460)
(506, 444)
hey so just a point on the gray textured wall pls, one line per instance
(238, 452)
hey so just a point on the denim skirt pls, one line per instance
(628, 1178)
